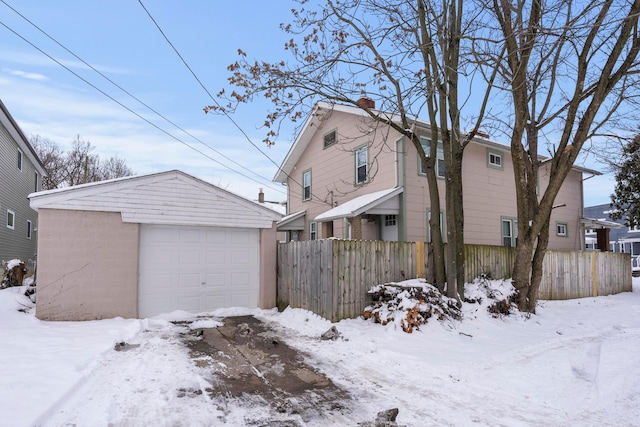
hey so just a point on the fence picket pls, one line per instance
(332, 277)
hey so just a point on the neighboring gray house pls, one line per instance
(21, 173)
(621, 237)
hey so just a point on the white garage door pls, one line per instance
(197, 268)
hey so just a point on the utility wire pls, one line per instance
(216, 101)
(133, 96)
(125, 107)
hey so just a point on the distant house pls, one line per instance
(621, 237)
(346, 170)
(21, 173)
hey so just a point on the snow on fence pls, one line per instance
(331, 277)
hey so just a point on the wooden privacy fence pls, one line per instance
(331, 277)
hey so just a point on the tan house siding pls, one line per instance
(333, 170)
(567, 210)
(489, 195)
(489, 189)
(95, 277)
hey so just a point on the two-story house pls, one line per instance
(346, 170)
(21, 173)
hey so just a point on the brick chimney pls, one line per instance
(366, 102)
(261, 196)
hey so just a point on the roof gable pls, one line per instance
(18, 136)
(171, 197)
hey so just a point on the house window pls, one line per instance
(28, 229)
(330, 138)
(561, 229)
(306, 185)
(19, 160)
(509, 232)
(313, 231)
(389, 220)
(426, 146)
(11, 219)
(443, 229)
(494, 159)
(634, 228)
(36, 184)
(347, 229)
(361, 165)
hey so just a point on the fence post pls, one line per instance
(594, 273)
(419, 259)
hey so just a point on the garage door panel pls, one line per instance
(197, 268)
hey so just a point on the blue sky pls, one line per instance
(119, 39)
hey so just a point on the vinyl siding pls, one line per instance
(15, 186)
(489, 192)
(333, 169)
(165, 198)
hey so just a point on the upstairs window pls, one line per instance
(494, 159)
(36, 182)
(330, 138)
(19, 160)
(361, 165)
(306, 185)
(28, 229)
(11, 219)
(426, 146)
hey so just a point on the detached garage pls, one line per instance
(145, 245)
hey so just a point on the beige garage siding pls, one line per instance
(94, 274)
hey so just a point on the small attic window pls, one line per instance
(330, 138)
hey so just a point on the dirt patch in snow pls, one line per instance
(247, 359)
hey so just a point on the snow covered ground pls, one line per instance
(573, 363)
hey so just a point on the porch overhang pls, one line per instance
(292, 222)
(385, 202)
(599, 223)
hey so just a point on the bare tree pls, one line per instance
(570, 68)
(79, 165)
(407, 53)
(52, 158)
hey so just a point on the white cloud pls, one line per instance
(27, 75)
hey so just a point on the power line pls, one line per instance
(213, 99)
(134, 97)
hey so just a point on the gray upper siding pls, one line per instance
(15, 186)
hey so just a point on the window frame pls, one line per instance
(357, 165)
(440, 169)
(306, 197)
(566, 229)
(390, 220)
(11, 214)
(333, 132)
(513, 225)
(443, 228)
(20, 160)
(313, 230)
(29, 229)
(496, 153)
(36, 184)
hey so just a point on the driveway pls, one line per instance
(247, 359)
